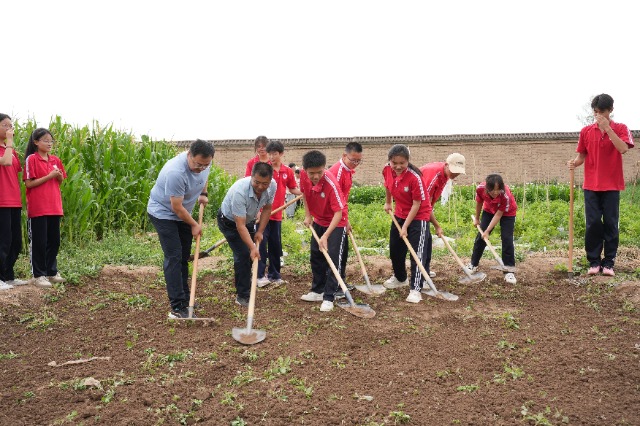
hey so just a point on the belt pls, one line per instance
(232, 223)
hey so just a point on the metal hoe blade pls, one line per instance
(247, 336)
(504, 268)
(374, 289)
(358, 309)
(473, 278)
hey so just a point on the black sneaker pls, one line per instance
(181, 313)
(242, 301)
(339, 294)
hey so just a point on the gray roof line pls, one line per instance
(368, 140)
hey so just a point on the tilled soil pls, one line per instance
(548, 350)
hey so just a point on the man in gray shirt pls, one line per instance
(181, 183)
(236, 220)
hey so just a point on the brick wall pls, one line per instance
(518, 158)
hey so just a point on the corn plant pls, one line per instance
(110, 176)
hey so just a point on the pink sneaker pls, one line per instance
(608, 271)
(594, 270)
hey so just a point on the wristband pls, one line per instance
(206, 194)
(9, 146)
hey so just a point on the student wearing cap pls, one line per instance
(600, 149)
(436, 176)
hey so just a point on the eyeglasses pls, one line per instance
(48, 142)
(354, 161)
(7, 126)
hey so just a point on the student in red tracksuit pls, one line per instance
(325, 210)
(343, 170)
(260, 146)
(403, 182)
(495, 200)
(435, 177)
(10, 206)
(600, 149)
(42, 177)
(271, 244)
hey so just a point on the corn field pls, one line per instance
(110, 176)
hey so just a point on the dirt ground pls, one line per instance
(548, 350)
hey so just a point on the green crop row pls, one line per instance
(110, 176)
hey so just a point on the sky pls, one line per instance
(181, 70)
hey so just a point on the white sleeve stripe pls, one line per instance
(433, 182)
(336, 192)
(419, 178)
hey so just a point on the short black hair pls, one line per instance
(353, 147)
(262, 169)
(4, 117)
(602, 102)
(292, 165)
(203, 148)
(494, 180)
(275, 146)
(313, 159)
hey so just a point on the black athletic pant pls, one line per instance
(175, 239)
(44, 236)
(10, 240)
(507, 225)
(324, 280)
(242, 263)
(602, 214)
(418, 235)
(271, 249)
(345, 256)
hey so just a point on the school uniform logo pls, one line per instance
(322, 195)
(284, 176)
(406, 189)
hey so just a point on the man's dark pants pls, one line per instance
(241, 255)
(175, 239)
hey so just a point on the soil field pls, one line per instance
(548, 350)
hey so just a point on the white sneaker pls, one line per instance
(312, 297)
(17, 282)
(510, 278)
(471, 268)
(41, 282)
(263, 281)
(326, 306)
(57, 278)
(278, 282)
(414, 296)
(394, 283)
(5, 286)
(432, 274)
